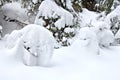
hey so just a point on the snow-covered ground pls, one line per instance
(68, 63)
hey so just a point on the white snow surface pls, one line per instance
(71, 63)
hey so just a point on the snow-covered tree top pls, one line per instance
(15, 11)
(49, 9)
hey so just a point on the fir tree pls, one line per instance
(61, 23)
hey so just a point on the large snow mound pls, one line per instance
(33, 44)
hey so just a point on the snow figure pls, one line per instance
(37, 44)
(104, 35)
(0, 32)
(89, 40)
(33, 44)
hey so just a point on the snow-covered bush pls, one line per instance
(12, 39)
(13, 17)
(32, 8)
(38, 44)
(106, 38)
(104, 34)
(34, 43)
(14, 11)
(89, 39)
(115, 4)
(56, 18)
(114, 20)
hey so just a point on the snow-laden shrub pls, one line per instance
(89, 40)
(113, 19)
(55, 18)
(13, 17)
(12, 39)
(14, 11)
(104, 34)
(105, 37)
(34, 43)
(115, 4)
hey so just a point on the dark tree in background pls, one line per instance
(107, 4)
(89, 4)
(98, 5)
